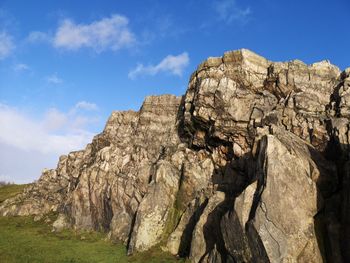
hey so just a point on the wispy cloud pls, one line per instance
(38, 141)
(108, 33)
(161, 26)
(229, 11)
(57, 132)
(6, 45)
(37, 36)
(75, 119)
(54, 79)
(84, 105)
(20, 67)
(173, 64)
(54, 120)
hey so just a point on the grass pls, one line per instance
(10, 190)
(24, 240)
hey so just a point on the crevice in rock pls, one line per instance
(212, 231)
(260, 176)
(257, 248)
(186, 237)
(231, 179)
(327, 222)
(107, 213)
(128, 244)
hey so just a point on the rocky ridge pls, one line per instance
(250, 165)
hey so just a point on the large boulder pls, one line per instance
(287, 199)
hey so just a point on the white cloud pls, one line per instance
(20, 67)
(21, 166)
(6, 45)
(108, 33)
(56, 132)
(54, 119)
(229, 11)
(36, 143)
(84, 105)
(54, 79)
(172, 64)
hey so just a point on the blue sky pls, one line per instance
(65, 65)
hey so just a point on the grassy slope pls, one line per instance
(23, 240)
(11, 190)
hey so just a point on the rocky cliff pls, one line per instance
(252, 164)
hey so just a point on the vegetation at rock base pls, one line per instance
(24, 240)
(10, 190)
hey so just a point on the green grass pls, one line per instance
(11, 190)
(24, 240)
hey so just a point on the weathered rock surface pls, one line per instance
(252, 164)
(287, 183)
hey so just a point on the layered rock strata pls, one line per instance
(250, 165)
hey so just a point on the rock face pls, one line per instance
(252, 164)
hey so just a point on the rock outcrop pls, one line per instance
(252, 164)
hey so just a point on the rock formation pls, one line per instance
(252, 164)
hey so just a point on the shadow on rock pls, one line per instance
(327, 222)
